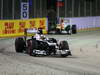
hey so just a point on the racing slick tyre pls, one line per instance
(32, 44)
(64, 46)
(19, 45)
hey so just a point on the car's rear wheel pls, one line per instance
(19, 45)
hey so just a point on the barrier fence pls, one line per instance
(83, 23)
(13, 28)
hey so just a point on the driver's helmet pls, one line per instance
(43, 37)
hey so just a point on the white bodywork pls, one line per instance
(32, 31)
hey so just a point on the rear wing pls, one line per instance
(30, 32)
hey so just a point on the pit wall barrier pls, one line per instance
(15, 28)
(83, 23)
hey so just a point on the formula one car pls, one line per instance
(44, 47)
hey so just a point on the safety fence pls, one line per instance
(83, 23)
(13, 28)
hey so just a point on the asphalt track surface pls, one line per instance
(85, 59)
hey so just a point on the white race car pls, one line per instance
(44, 47)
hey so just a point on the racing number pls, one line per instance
(25, 11)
